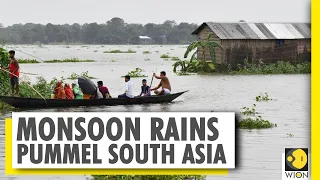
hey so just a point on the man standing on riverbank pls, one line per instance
(14, 73)
(164, 83)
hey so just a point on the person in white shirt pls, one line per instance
(129, 87)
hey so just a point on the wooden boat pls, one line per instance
(31, 103)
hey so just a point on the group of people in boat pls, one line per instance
(75, 92)
(66, 92)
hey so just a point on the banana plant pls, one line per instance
(205, 44)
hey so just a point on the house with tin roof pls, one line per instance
(257, 42)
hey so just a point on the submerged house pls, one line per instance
(145, 39)
(140, 40)
(257, 42)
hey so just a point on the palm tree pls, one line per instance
(205, 44)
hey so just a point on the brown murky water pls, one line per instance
(259, 151)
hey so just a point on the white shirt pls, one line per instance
(129, 89)
(99, 94)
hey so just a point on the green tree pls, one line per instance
(114, 31)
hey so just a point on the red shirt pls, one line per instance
(104, 90)
(12, 67)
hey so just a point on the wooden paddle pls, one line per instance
(152, 80)
(29, 73)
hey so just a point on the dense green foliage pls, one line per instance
(280, 67)
(198, 66)
(114, 31)
(150, 177)
(185, 66)
(206, 45)
(4, 77)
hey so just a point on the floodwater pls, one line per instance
(259, 151)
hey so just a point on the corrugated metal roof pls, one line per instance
(259, 30)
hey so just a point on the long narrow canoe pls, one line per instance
(27, 103)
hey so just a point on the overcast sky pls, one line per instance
(156, 11)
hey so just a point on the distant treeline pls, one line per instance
(115, 31)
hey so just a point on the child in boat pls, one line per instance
(77, 91)
(145, 89)
(59, 92)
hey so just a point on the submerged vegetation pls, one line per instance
(175, 58)
(252, 122)
(148, 177)
(164, 56)
(136, 73)
(146, 52)
(28, 61)
(255, 123)
(280, 67)
(249, 111)
(33, 61)
(119, 51)
(263, 97)
(185, 66)
(67, 60)
(74, 76)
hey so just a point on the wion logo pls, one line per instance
(295, 163)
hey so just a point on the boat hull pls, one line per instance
(30, 103)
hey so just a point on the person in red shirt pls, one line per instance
(104, 90)
(14, 73)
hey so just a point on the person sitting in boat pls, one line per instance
(145, 89)
(164, 83)
(77, 91)
(68, 91)
(129, 87)
(59, 92)
(97, 95)
(104, 90)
